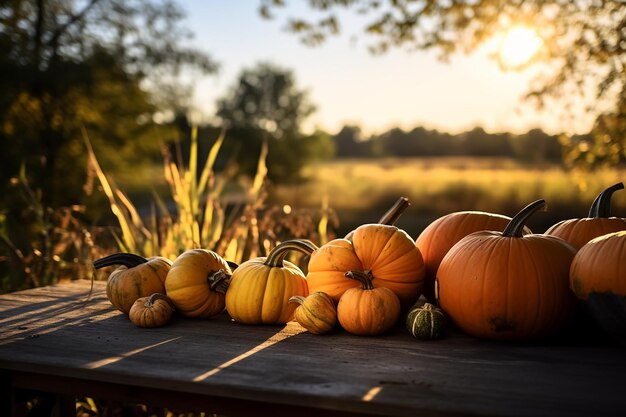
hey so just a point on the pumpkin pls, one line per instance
(386, 253)
(153, 311)
(391, 216)
(504, 285)
(192, 283)
(260, 288)
(439, 236)
(599, 221)
(136, 277)
(598, 276)
(426, 322)
(367, 310)
(316, 313)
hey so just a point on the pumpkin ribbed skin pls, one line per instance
(599, 222)
(260, 288)
(598, 276)
(426, 322)
(504, 286)
(439, 237)
(384, 251)
(367, 310)
(136, 277)
(316, 313)
(153, 311)
(187, 283)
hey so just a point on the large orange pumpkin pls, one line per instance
(439, 236)
(136, 277)
(598, 276)
(503, 285)
(191, 283)
(385, 252)
(599, 222)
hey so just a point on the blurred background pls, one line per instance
(154, 126)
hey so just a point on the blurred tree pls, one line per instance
(536, 146)
(266, 104)
(104, 64)
(584, 41)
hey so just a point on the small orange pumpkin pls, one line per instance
(385, 252)
(260, 289)
(367, 310)
(598, 276)
(192, 283)
(439, 236)
(136, 277)
(504, 285)
(599, 222)
(153, 311)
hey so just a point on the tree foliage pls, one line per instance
(94, 63)
(584, 43)
(265, 104)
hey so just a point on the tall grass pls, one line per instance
(199, 213)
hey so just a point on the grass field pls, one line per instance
(361, 190)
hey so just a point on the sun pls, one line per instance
(519, 46)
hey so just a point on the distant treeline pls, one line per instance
(533, 146)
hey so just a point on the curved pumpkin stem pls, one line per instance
(278, 254)
(515, 227)
(297, 299)
(158, 296)
(219, 281)
(129, 260)
(601, 206)
(365, 278)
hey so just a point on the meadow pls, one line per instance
(360, 190)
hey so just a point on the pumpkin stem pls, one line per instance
(232, 265)
(278, 254)
(365, 278)
(219, 281)
(601, 206)
(393, 214)
(129, 260)
(158, 296)
(297, 299)
(516, 225)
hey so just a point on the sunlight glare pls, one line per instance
(519, 46)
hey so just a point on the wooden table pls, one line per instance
(54, 339)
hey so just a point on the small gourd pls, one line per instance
(153, 311)
(367, 310)
(136, 277)
(316, 313)
(426, 322)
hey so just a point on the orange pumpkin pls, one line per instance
(153, 311)
(367, 310)
(599, 222)
(598, 276)
(316, 313)
(136, 277)
(439, 236)
(191, 283)
(504, 285)
(385, 252)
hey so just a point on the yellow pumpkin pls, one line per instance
(192, 283)
(260, 288)
(136, 277)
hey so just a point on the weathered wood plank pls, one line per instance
(55, 331)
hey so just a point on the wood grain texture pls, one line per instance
(57, 331)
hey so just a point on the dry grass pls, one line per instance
(360, 189)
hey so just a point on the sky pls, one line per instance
(349, 85)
